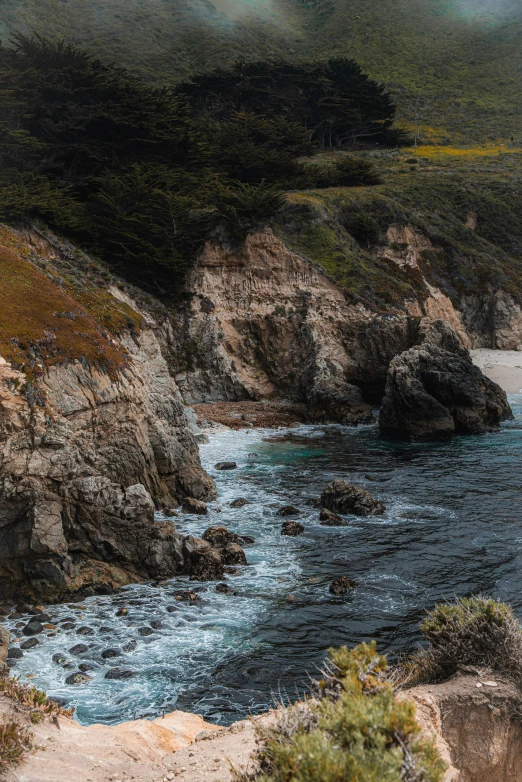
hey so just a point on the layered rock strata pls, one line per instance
(86, 455)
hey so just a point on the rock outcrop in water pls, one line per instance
(87, 450)
(434, 390)
(342, 497)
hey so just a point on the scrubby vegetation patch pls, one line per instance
(351, 730)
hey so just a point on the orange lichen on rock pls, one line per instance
(42, 325)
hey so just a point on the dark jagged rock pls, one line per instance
(14, 653)
(220, 536)
(84, 667)
(223, 588)
(119, 673)
(433, 390)
(68, 625)
(58, 658)
(206, 562)
(332, 400)
(239, 503)
(226, 466)
(156, 624)
(292, 529)
(330, 519)
(342, 585)
(342, 497)
(144, 631)
(129, 646)
(288, 510)
(191, 505)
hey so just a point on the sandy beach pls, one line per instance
(502, 366)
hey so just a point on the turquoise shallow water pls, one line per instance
(453, 527)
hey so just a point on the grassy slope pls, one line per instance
(459, 58)
(55, 312)
(434, 195)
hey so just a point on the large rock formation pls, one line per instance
(434, 390)
(86, 452)
(266, 323)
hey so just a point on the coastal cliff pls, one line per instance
(266, 322)
(93, 432)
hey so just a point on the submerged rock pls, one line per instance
(77, 678)
(186, 595)
(330, 519)
(433, 390)
(226, 466)
(339, 496)
(288, 510)
(78, 649)
(119, 673)
(292, 529)
(30, 643)
(223, 588)
(108, 654)
(342, 585)
(239, 503)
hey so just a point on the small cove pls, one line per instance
(453, 526)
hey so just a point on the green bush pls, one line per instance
(353, 730)
(355, 172)
(471, 631)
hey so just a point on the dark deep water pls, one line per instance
(453, 527)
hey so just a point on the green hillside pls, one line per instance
(459, 59)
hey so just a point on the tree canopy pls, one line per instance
(143, 175)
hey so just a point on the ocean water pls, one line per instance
(452, 527)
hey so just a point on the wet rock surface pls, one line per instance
(434, 390)
(226, 466)
(191, 505)
(119, 673)
(330, 519)
(342, 585)
(292, 529)
(339, 496)
(288, 510)
(239, 503)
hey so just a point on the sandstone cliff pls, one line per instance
(265, 322)
(93, 431)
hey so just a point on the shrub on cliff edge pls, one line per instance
(471, 631)
(353, 729)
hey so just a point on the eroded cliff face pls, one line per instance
(86, 453)
(266, 323)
